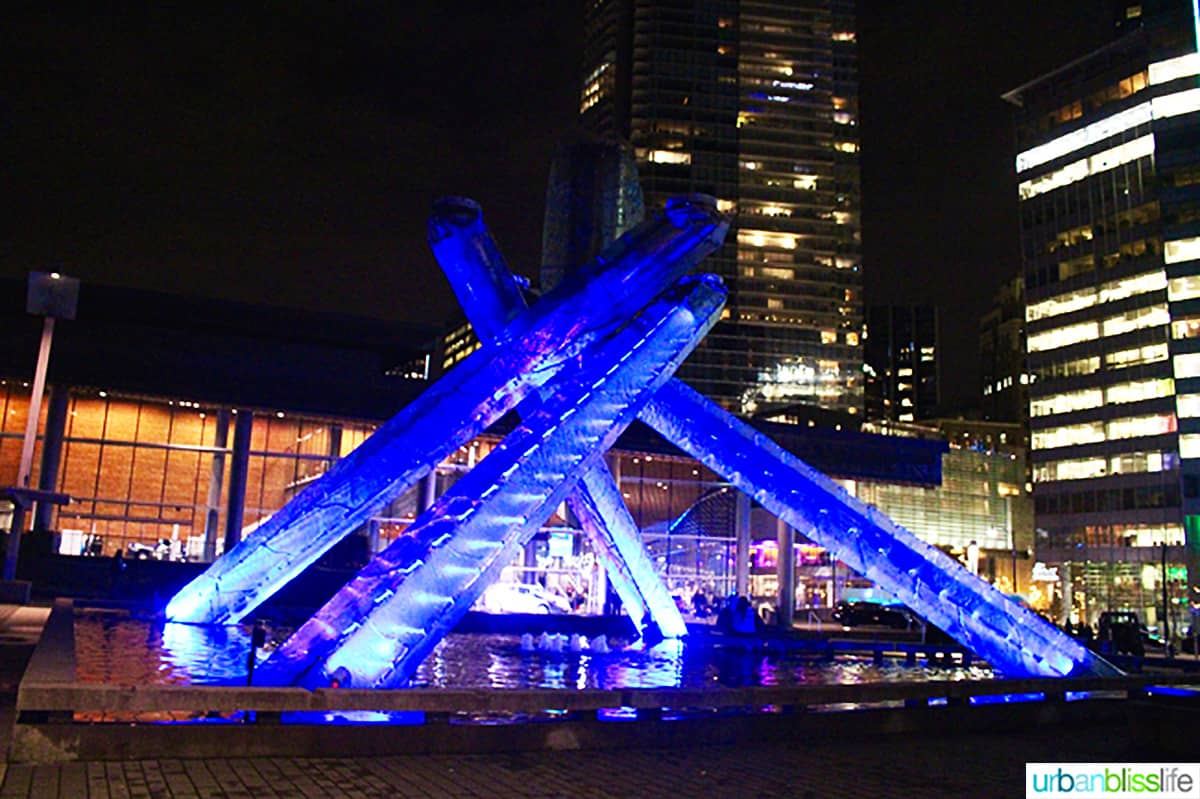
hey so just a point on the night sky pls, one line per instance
(288, 154)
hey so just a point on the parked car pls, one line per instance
(521, 598)
(1122, 632)
(856, 614)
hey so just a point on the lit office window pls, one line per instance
(1062, 304)
(669, 157)
(1187, 365)
(1183, 288)
(1185, 66)
(1142, 462)
(1187, 406)
(1136, 320)
(1077, 140)
(1151, 353)
(1068, 435)
(1063, 336)
(1181, 250)
(1081, 469)
(1094, 165)
(1139, 390)
(1176, 104)
(1189, 446)
(766, 238)
(1136, 284)
(1188, 327)
(1138, 426)
(1065, 403)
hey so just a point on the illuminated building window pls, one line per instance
(1186, 328)
(805, 182)
(843, 36)
(669, 157)
(1151, 353)
(1136, 320)
(1068, 435)
(1062, 304)
(1182, 250)
(766, 238)
(1185, 66)
(1078, 170)
(1189, 446)
(1081, 469)
(1177, 104)
(1130, 286)
(1077, 140)
(1065, 403)
(1139, 390)
(1187, 365)
(1063, 336)
(1187, 406)
(1138, 426)
(1183, 288)
(852, 339)
(829, 337)
(846, 147)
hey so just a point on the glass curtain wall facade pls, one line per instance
(1109, 189)
(902, 363)
(756, 104)
(150, 476)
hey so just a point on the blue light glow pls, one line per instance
(578, 365)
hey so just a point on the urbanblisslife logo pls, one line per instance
(1113, 780)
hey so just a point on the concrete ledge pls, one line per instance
(50, 688)
(63, 741)
(53, 659)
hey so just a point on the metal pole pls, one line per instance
(1166, 605)
(17, 528)
(35, 403)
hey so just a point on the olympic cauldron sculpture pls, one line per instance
(578, 366)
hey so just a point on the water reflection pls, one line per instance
(116, 649)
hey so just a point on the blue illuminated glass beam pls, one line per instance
(379, 627)
(536, 345)
(490, 296)
(1016, 641)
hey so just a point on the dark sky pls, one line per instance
(289, 153)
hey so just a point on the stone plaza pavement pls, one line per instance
(949, 765)
(978, 766)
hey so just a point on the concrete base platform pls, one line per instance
(64, 740)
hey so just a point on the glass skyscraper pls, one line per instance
(1108, 172)
(754, 103)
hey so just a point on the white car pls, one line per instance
(521, 598)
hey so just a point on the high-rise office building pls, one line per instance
(1108, 168)
(754, 103)
(902, 363)
(1004, 380)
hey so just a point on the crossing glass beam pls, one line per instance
(532, 348)
(1012, 638)
(490, 296)
(377, 629)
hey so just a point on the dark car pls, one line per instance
(1122, 632)
(858, 614)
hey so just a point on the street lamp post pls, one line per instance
(50, 295)
(1165, 600)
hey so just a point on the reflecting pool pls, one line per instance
(117, 649)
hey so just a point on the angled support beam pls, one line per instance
(537, 344)
(377, 630)
(1012, 638)
(490, 296)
